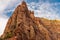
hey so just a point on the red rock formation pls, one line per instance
(23, 25)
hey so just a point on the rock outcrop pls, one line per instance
(23, 25)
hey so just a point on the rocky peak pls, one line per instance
(23, 7)
(24, 3)
(23, 25)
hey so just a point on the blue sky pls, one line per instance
(49, 9)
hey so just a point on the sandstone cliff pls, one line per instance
(23, 25)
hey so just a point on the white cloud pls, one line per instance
(45, 10)
(3, 4)
(3, 22)
(3, 17)
(9, 3)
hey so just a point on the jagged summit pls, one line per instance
(23, 25)
(23, 6)
(24, 3)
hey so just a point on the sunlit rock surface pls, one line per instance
(23, 25)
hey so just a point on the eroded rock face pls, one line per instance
(23, 25)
